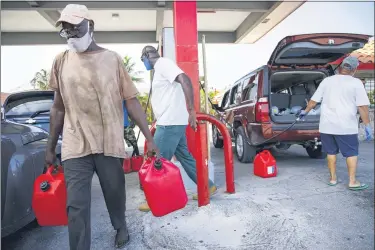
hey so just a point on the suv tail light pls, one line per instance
(262, 110)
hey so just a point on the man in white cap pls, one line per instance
(90, 84)
(341, 96)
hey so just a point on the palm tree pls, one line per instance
(40, 80)
(129, 65)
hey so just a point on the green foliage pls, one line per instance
(40, 80)
(129, 65)
(371, 96)
(143, 100)
(211, 95)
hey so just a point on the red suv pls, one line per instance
(263, 103)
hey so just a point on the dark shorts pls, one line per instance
(346, 144)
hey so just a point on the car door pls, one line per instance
(249, 100)
(25, 145)
(232, 106)
(225, 106)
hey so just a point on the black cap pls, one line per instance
(44, 186)
(158, 164)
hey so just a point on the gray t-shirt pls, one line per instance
(340, 96)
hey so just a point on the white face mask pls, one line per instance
(80, 44)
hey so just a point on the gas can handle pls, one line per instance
(264, 153)
(51, 169)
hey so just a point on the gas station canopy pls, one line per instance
(32, 22)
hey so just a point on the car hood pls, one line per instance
(315, 49)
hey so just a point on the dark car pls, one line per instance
(29, 107)
(263, 103)
(23, 149)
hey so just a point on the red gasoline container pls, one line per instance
(163, 186)
(136, 162)
(126, 165)
(49, 198)
(143, 170)
(265, 165)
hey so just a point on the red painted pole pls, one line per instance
(186, 42)
(228, 153)
(202, 166)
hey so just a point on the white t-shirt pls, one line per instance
(340, 96)
(167, 98)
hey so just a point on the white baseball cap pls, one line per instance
(74, 14)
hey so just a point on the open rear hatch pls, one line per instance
(29, 107)
(315, 49)
(304, 58)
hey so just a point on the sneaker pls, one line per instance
(144, 207)
(213, 191)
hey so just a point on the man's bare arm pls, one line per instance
(187, 87)
(57, 114)
(310, 106)
(363, 112)
(138, 115)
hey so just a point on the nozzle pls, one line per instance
(158, 164)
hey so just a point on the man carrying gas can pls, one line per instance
(172, 101)
(341, 96)
(90, 84)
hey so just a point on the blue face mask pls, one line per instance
(147, 64)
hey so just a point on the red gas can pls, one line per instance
(147, 163)
(265, 165)
(49, 198)
(126, 165)
(163, 186)
(136, 162)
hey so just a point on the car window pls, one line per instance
(233, 94)
(225, 100)
(28, 106)
(251, 89)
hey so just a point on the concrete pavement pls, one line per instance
(295, 210)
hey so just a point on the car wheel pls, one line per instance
(218, 143)
(316, 153)
(245, 153)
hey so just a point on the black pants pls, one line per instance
(78, 177)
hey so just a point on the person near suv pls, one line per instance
(340, 96)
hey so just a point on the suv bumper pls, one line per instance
(298, 133)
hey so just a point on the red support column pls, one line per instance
(186, 40)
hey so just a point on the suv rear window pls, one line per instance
(306, 53)
(251, 89)
(28, 106)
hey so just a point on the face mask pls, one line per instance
(147, 64)
(80, 44)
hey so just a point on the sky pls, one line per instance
(225, 62)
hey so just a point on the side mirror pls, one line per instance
(216, 107)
